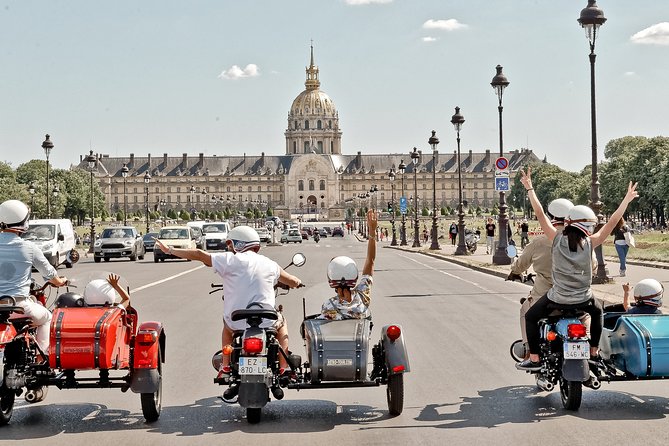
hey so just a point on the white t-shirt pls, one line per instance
(248, 277)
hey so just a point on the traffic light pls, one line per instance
(390, 207)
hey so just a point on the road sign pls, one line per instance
(502, 163)
(502, 184)
(502, 173)
(403, 205)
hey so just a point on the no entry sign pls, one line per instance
(502, 163)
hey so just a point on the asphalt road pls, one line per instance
(462, 388)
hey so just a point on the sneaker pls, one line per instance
(224, 372)
(287, 376)
(622, 273)
(529, 365)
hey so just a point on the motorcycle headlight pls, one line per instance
(97, 243)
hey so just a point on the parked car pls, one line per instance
(119, 241)
(148, 240)
(291, 235)
(337, 232)
(304, 234)
(174, 237)
(54, 237)
(308, 229)
(328, 230)
(322, 232)
(215, 235)
(264, 234)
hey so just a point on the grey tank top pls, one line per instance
(572, 272)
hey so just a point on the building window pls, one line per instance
(330, 124)
(322, 185)
(240, 188)
(227, 189)
(259, 188)
(331, 147)
(296, 125)
(300, 185)
(319, 126)
(306, 125)
(249, 189)
(294, 147)
(320, 146)
(311, 184)
(306, 146)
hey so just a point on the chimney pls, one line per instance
(201, 161)
(81, 158)
(131, 163)
(184, 161)
(262, 159)
(148, 162)
(164, 160)
(420, 157)
(358, 160)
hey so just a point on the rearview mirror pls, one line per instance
(511, 251)
(299, 259)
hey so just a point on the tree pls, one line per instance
(184, 215)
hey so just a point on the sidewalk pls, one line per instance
(610, 292)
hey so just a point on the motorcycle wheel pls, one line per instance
(571, 393)
(395, 394)
(253, 415)
(152, 402)
(6, 404)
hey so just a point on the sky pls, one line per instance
(218, 77)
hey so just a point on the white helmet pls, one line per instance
(559, 208)
(243, 238)
(14, 215)
(583, 218)
(99, 292)
(649, 292)
(342, 271)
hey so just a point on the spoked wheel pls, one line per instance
(6, 405)
(152, 402)
(395, 394)
(253, 414)
(571, 393)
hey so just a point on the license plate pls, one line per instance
(108, 250)
(253, 365)
(576, 350)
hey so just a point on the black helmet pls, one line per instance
(70, 300)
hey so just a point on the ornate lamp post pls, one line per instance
(403, 231)
(124, 174)
(192, 203)
(31, 191)
(92, 166)
(591, 19)
(457, 120)
(391, 177)
(414, 160)
(147, 180)
(499, 83)
(162, 204)
(47, 145)
(434, 141)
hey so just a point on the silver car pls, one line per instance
(291, 235)
(119, 241)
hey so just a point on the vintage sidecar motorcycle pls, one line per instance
(337, 357)
(84, 337)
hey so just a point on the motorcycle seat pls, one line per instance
(264, 313)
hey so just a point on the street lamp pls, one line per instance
(457, 120)
(591, 19)
(403, 231)
(147, 180)
(391, 177)
(414, 160)
(47, 145)
(92, 165)
(434, 141)
(192, 202)
(499, 83)
(31, 191)
(124, 174)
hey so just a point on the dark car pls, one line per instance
(328, 230)
(337, 232)
(305, 234)
(148, 240)
(322, 232)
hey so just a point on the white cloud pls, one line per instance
(445, 25)
(657, 34)
(366, 2)
(429, 39)
(235, 72)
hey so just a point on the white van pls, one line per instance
(55, 237)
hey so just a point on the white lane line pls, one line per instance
(482, 288)
(158, 282)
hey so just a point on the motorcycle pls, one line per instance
(82, 337)
(471, 240)
(317, 236)
(337, 353)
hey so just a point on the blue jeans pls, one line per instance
(622, 255)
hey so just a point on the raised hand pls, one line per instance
(526, 177)
(372, 222)
(631, 192)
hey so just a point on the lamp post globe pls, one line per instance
(434, 141)
(147, 180)
(47, 145)
(391, 177)
(91, 160)
(591, 19)
(499, 257)
(124, 174)
(457, 120)
(415, 157)
(403, 230)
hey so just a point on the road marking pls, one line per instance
(158, 282)
(514, 300)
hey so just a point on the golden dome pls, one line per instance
(313, 101)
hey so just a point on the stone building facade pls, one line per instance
(313, 178)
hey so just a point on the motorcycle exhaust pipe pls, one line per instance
(545, 385)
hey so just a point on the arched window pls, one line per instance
(320, 146)
(330, 124)
(296, 125)
(306, 146)
(311, 184)
(319, 125)
(227, 189)
(300, 185)
(322, 185)
(331, 146)
(294, 147)
(306, 125)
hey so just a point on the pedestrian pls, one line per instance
(385, 231)
(453, 233)
(524, 233)
(622, 238)
(490, 235)
(425, 234)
